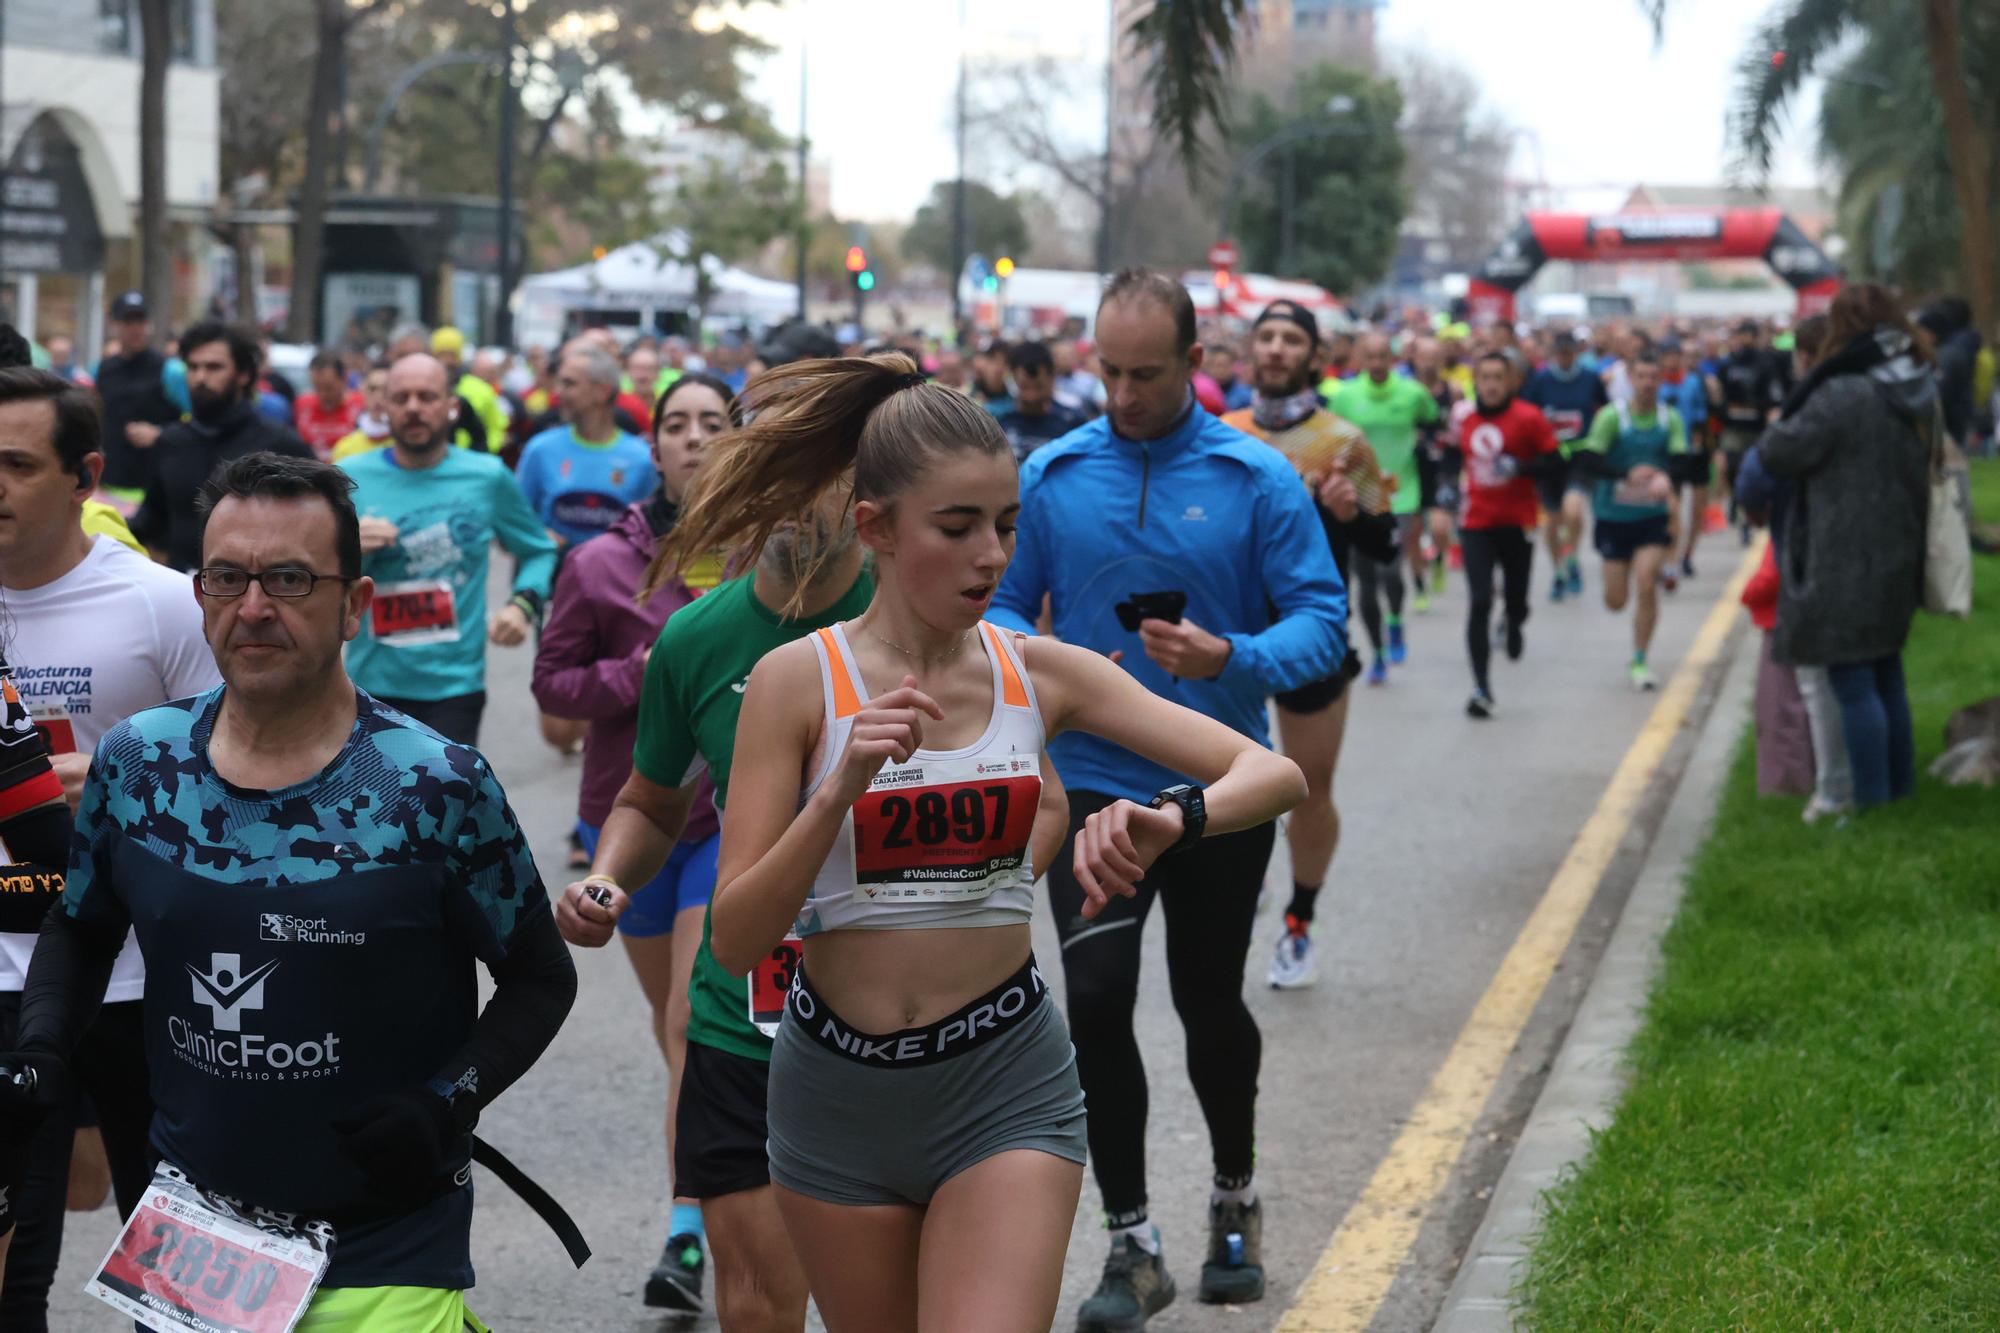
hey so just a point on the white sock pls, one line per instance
(1246, 1195)
(1143, 1234)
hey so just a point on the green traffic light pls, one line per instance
(992, 284)
(865, 280)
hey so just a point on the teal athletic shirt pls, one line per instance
(687, 726)
(425, 637)
(1628, 441)
(579, 487)
(1389, 414)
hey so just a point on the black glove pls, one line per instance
(32, 1083)
(407, 1144)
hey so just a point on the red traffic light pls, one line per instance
(1777, 60)
(856, 260)
(1223, 279)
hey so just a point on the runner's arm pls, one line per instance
(1245, 784)
(638, 836)
(515, 524)
(1591, 454)
(769, 852)
(1051, 819)
(572, 676)
(80, 937)
(1308, 637)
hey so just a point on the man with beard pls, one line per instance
(688, 708)
(1335, 459)
(429, 516)
(290, 849)
(225, 426)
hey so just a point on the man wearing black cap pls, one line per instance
(1334, 459)
(132, 384)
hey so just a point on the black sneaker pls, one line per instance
(1480, 705)
(1135, 1287)
(676, 1280)
(1234, 1272)
(1514, 642)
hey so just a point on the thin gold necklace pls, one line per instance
(918, 658)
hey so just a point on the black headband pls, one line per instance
(1292, 312)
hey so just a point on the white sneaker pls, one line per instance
(1642, 677)
(1294, 964)
(1817, 810)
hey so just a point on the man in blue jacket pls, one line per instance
(1154, 504)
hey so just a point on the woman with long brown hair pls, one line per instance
(1855, 439)
(926, 1124)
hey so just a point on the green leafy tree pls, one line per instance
(1347, 181)
(733, 214)
(993, 226)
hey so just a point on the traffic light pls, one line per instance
(864, 281)
(857, 259)
(1224, 279)
(1003, 267)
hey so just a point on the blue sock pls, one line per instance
(685, 1220)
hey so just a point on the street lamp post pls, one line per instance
(510, 115)
(804, 238)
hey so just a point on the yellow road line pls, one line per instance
(1353, 1275)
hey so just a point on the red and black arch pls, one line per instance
(1677, 237)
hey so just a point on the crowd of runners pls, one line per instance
(861, 643)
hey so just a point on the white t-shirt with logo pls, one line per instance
(115, 635)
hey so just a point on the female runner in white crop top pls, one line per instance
(925, 1121)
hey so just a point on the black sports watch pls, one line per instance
(1194, 813)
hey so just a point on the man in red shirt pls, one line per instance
(1506, 443)
(330, 412)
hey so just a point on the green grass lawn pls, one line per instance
(1811, 1139)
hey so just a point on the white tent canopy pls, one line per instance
(646, 276)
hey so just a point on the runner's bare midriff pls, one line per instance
(885, 980)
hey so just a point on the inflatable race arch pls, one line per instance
(1675, 237)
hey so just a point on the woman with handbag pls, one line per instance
(1856, 437)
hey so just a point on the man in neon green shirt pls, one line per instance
(448, 346)
(1388, 408)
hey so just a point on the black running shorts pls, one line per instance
(1320, 695)
(719, 1131)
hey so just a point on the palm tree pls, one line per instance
(1191, 45)
(1801, 35)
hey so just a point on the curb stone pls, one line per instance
(1587, 1078)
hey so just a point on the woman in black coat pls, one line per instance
(1854, 437)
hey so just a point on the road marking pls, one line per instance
(1359, 1265)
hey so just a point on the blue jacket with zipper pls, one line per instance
(1205, 510)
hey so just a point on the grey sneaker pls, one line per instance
(675, 1282)
(1234, 1272)
(1135, 1287)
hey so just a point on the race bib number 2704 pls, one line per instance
(191, 1262)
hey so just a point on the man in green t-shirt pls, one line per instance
(1388, 407)
(1630, 453)
(687, 727)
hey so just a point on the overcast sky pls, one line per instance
(1603, 104)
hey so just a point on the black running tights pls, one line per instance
(1514, 554)
(1209, 895)
(1373, 578)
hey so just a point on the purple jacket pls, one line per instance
(592, 659)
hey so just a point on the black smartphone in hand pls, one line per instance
(1167, 606)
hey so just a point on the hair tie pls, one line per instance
(910, 381)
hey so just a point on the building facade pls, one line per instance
(69, 141)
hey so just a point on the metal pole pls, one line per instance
(510, 114)
(1287, 205)
(804, 240)
(1110, 119)
(958, 187)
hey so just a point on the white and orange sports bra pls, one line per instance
(943, 839)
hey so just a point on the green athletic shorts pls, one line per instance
(379, 1309)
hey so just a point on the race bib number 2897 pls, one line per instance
(945, 830)
(189, 1261)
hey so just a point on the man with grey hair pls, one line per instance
(581, 475)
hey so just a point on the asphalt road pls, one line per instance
(1451, 831)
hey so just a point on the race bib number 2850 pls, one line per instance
(189, 1260)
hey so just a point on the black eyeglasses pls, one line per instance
(284, 581)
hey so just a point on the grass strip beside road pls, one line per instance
(1812, 1133)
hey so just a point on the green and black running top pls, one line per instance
(306, 949)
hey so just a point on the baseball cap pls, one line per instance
(1565, 341)
(129, 305)
(448, 339)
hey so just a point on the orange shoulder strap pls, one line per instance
(1012, 692)
(845, 702)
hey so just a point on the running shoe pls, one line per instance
(1294, 966)
(1437, 574)
(1574, 576)
(1558, 589)
(1642, 677)
(675, 1283)
(1234, 1272)
(1687, 568)
(1398, 650)
(1480, 705)
(1514, 643)
(1378, 672)
(1670, 578)
(1816, 810)
(1135, 1287)
(1421, 603)
(579, 859)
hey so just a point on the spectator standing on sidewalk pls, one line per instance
(1855, 438)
